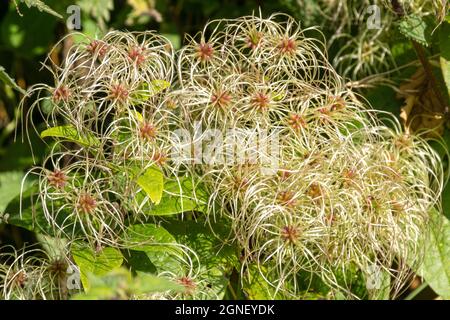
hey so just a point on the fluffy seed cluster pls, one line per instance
(32, 274)
(112, 119)
(323, 190)
(438, 8)
(359, 33)
(362, 30)
(109, 98)
(346, 192)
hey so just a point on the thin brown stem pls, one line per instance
(398, 8)
(429, 74)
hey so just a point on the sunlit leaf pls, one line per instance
(120, 284)
(97, 263)
(148, 283)
(142, 11)
(179, 196)
(149, 89)
(436, 266)
(256, 287)
(158, 244)
(71, 134)
(152, 182)
(10, 187)
(99, 9)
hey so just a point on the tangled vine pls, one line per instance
(344, 191)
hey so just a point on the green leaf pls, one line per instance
(152, 182)
(158, 244)
(179, 197)
(113, 285)
(144, 236)
(415, 28)
(6, 79)
(99, 9)
(98, 264)
(212, 251)
(119, 284)
(10, 186)
(147, 90)
(255, 286)
(216, 258)
(142, 12)
(138, 261)
(41, 6)
(147, 283)
(19, 155)
(70, 133)
(436, 266)
(32, 216)
(383, 292)
(383, 98)
(174, 39)
(444, 42)
(90, 29)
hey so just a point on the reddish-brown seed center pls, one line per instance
(290, 234)
(240, 184)
(58, 267)
(287, 198)
(97, 46)
(147, 131)
(221, 99)
(159, 158)
(119, 92)
(314, 191)
(287, 46)
(324, 115)
(296, 121)
(338, 104)
(188, 284)
(324, 111)
(20, 278)
(284, 174)
(137, 55)
(348, 173)
(86, 203)
(205, 51)
(61, 93)
(261, 101)
(57, 179)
